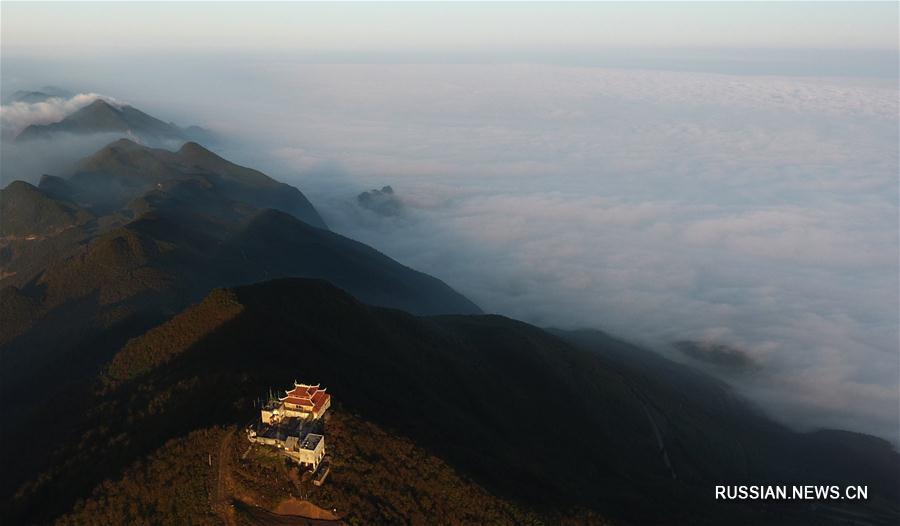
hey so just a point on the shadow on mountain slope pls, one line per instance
(530, 417)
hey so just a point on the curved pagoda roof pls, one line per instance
(309, 397)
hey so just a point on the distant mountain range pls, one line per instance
(39, 95)
(102, 116)
(149, 297)
(132, 235)
(134, 232)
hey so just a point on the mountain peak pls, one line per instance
(20, 187)
(140, 168)
(119, 145)
(125, 143)
(27, 210)
(195, 150)
(100, 103)
(115, 156)
(105, 116)
(99, 107)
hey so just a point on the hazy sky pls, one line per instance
(717, 172)
(105, 28)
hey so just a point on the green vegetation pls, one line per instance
(379, 477)
(171, 486)
(160, 344)
(26, 211)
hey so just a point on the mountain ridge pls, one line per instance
(124, 170)
(495, 398)
(174, 228)
(102, 116)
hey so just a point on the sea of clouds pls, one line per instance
(757, 214)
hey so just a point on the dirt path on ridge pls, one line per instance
(221, 503)
(226, 504)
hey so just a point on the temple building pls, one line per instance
(303, 401)
(306, 400)
(292, 423)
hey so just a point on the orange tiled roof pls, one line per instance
(306, 396)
